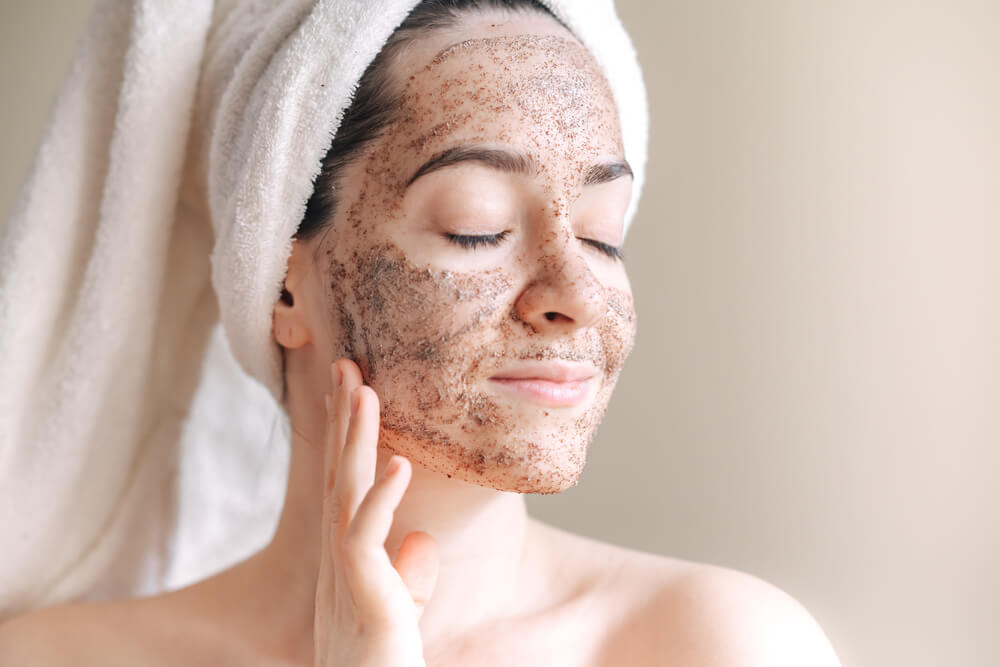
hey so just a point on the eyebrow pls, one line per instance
(605, 172)
(514, 162)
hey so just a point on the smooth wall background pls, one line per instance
(813, 397)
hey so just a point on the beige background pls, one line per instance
(814, 395)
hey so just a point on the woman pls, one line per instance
(453, 319)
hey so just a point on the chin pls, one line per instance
(518, 467)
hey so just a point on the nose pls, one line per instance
(564, 294)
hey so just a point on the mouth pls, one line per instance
(553, 384)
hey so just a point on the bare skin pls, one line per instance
(481, 583)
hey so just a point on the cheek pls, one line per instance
(617, 331)
(392, 312)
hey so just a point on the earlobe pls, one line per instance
(290, 327)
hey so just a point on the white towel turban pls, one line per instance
(183, 132)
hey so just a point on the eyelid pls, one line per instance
(614, 252)
(477, 240)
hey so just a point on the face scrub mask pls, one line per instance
(429, 331)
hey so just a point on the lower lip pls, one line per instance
(547, 392)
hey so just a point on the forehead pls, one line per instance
(545, 50)
(541, 89)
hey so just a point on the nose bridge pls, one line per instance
(561, 259)
(563, 292)
(561, 242)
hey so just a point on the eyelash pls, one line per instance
(611, 251)
(496, 239)
(477, 241)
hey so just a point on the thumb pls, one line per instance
(417, 563)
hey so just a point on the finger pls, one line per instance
(366, 564)
(333, 428)
(373, 580)
(344, 376)
(328, 466)
(342, 380)
(356, 467)
(332, 441)
(371, 524)
(418, 562)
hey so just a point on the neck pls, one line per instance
(482, 535)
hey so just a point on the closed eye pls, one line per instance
(611, 251)
(477, 241)
(491, 240)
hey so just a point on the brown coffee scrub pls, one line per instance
(430, 322)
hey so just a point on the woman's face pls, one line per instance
(469, 269)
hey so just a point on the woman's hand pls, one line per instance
(367, 608)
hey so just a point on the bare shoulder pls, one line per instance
(711, 615)
(108, 634)
(67, 634)
(668, 611)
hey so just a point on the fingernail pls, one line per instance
(335, 375)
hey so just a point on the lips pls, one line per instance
(554, 384)
(553, 371)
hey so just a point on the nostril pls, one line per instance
(551, 316)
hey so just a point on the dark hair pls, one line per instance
(375, 100)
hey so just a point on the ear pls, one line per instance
(290, 324)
